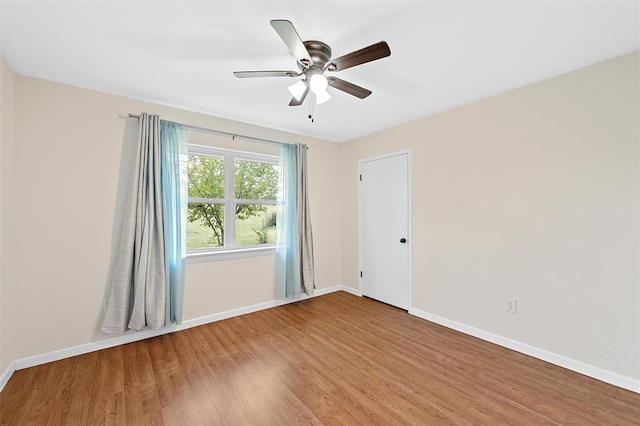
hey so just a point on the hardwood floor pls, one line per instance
(334, 359)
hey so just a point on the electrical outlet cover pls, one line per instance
(512, 305)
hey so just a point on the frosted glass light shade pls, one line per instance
(322, 96)
(318, 83)
(297, 89)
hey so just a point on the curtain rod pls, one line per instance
(233, 136)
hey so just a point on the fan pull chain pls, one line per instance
(310, 116)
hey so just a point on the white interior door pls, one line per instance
(384, 229)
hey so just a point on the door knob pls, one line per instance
(403, 240)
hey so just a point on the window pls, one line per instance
(232, 200)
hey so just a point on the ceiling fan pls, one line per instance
(314, 58)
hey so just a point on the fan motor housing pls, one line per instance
(320, 53)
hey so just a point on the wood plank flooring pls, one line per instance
(334, 359)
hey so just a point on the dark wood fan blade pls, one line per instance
(350, 88)
(289, 35)
(367, 54)
(251, 74)
(295, 102)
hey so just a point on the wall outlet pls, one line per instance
(512, 305)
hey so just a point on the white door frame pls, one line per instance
(409, 220)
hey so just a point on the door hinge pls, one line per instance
(360, 178)
(360, 274)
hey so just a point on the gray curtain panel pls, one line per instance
(137, 294)
(303, 216)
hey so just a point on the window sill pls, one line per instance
(214, 256)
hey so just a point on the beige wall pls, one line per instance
(6, 216)
(531, 194)
(69, 188)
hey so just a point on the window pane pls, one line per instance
(255, 180)
(206, 177)
(205, 226)
(255, 224)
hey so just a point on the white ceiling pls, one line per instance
(443, 54)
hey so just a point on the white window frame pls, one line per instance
(229, 249)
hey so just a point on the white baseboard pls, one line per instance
(6, 375)
(134, 336)
(327, 290)
(560, 360)
(354, 291)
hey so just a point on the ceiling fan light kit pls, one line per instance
(314, 59)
